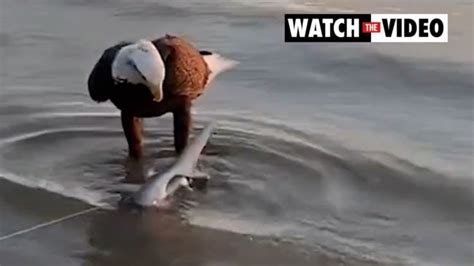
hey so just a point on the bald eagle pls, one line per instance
(150, 78)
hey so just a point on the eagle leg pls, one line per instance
(182, 125)
(133, 130)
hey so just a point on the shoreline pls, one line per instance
(101, 237)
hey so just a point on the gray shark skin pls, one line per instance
(160, 186)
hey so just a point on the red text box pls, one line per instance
(368, 27)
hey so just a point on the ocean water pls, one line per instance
(351, 153)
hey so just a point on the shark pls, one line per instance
(182, 174)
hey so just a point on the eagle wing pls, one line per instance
(186, 71)
(100, 80)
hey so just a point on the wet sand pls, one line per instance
(130, 237)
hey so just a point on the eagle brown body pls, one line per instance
(187, 72)
(185, 80)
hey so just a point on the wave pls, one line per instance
(75, 191)
(296, 185)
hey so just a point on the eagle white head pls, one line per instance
(140, 63)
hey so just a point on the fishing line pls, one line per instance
(52, 222)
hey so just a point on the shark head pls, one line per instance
(153, 191)
(159, 188)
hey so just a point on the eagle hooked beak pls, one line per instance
(157, 92)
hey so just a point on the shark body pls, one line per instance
(181, 174)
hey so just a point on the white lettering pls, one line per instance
(298, 27)
(337, 30)
(352, 27)
(315, 29)
(327, 26)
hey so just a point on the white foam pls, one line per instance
(75, 114)
(21, 137)
(75, 191)
(234, 223)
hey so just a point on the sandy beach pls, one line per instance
(323, 154)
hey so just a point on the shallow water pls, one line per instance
(353, 153)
